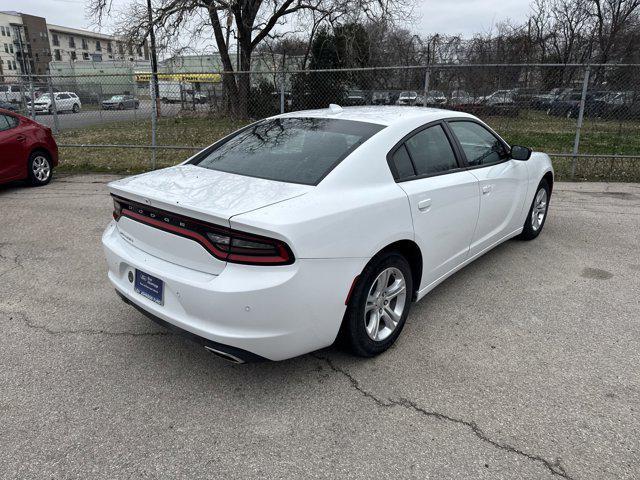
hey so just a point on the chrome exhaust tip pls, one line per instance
(224, 355)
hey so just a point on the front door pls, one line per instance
(12, 148)
(502, 182)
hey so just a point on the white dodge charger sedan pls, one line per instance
(314, 225)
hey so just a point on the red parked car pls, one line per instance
(27, 150)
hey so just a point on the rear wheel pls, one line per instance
(379, 305)
(40, 169)
(537, 212)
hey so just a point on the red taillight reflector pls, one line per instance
(223, 243)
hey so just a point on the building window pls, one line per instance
(2, 30)
(98, 46)
(109, 50)
(85, 56)
(120, 49)
(130, 50)
(85, 45)
(72, 42)
(11, 48)
(56, 55)
(55, 41)
(6, 48)
(73, 56)
(139, 51)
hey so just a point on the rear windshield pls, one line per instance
(294, 150)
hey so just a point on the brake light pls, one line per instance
(117, 210)
(221, 242)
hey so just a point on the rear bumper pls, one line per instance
(267, 312)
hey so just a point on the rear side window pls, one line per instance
(295, 150)
(480, 146)
(402, 163)
(431, 151)
(7, 122)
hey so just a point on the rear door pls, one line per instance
(63, 101)
(502, 182)
(14, 148)
(443, 197)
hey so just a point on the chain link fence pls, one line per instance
(586, 116)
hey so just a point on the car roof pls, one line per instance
(383, 115)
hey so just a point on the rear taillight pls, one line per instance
(117, 210)
(223, 243)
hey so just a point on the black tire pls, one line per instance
(120, 106)
(530, 230)
(354, 334)
(76, 108)
(36, 177)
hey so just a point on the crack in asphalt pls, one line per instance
(554, 467)
(15, 259)
(82, 331)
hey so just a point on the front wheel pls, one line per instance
(76, 108)
(39, 169)
(379, 305)
(537, 212)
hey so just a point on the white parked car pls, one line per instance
(64, 102)
(296, 229)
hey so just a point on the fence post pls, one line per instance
(154, 121)
(54, 107)
(576, 142)
(427, 75)
(33, 100)
(282, 79)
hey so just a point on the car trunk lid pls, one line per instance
(195, 193)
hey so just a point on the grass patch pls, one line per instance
(531, 128)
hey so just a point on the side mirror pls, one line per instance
(520, 153)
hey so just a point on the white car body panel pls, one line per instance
(333, 229)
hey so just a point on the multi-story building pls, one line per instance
(28, 44)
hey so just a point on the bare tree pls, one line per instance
(249, 21)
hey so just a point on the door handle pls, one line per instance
(487, 189)
(424, 205)
(21, 138)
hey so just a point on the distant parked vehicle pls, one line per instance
(29, 151)
(383, 98)
(12, 107)
(120, 102)
(568, 105)
(407, 98)
(12, 93)
(355, 98)
(460, 97)
(524, 96)
(64, 102)
(543, 101)
(434, 98)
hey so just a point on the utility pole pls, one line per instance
(154, 60)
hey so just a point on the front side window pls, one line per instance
(431, 151)
(480, 146)
(295, 150)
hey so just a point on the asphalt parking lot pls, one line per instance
(87, 117)
(525, 365)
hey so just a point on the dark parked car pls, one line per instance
(29, 151)
(355, 98)
(568, 105)
(120, 102)
(544, 100)
(13, 107)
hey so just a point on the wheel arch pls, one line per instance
(549, 178)
(411, 251)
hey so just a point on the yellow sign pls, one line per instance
(181, 77)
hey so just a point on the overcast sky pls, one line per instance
(464, 17)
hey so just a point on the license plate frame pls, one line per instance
(149, 286)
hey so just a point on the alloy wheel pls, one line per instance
(41, 168)
(386, 301)
(539, 209)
